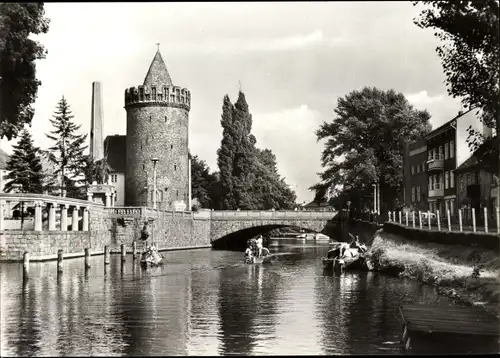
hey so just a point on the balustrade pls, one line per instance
(41, 202)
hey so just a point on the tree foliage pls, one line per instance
(67, 152)
(364, 145)
(470, 54)
(24, 166)
(202, 182)
(249, 177)
(18, 53)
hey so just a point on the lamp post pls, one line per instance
(154, 160)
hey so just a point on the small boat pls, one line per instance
(357, 262)
(151, 257)
(266, 258)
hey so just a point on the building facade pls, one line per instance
(157, 128)
(441, 164)
(415, 175)
(114, 148)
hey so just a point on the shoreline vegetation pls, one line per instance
(452, 269)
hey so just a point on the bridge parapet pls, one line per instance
(271, 215)
(56, 206)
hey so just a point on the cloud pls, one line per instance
(267, 44)
(290, 134)
(422, 97)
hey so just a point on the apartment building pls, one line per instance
(415, 175)
(441, 164)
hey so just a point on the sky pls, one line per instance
(292, 61)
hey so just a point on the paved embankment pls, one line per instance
(449, 267)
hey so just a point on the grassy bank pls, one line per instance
(448, 267)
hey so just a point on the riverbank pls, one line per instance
(447, 267)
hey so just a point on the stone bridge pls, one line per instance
(231, 229)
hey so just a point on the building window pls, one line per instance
(412, 169)
(452, 179)
(418, 168)
(446, 179)
(452, 149)
(143, 167)
(430, 183)
(165, 119)
(441, 154)
(462, 184)
(446, 150)
(434, 153)
(418, 193)
(413, 194)
(423, 167)
(171, 146)
(175, 166)
(114, 178)
(452, 206)
(150, 118)
(429, 155)
(177, 194)
(469, 179)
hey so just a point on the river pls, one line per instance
(202, 302)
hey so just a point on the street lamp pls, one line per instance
(154, 160)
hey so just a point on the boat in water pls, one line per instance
(265, 258)
(151, 257)
(346, 256)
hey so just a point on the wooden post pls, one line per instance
(438, 220)
(460, 219)
(420, 219)
(498, 220)
(26, 265)
(87, 258)
(485, 219)
(449, 220)
(413, 217)
(429, 219)
(400, 221)
(124, 252)
(106, 255)
(406, 218)
(134, 249)
(59, 261)
(473, 219)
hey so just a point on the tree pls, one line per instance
(18, 53)
(470, 55)
(364, 145)
(249, 177)
(24, 166)
(201, 182)
(67, 152)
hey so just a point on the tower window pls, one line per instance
(177, 194)
(150, 118)
(171, 146)
(175, 167)
(165, 119)
(143, 167)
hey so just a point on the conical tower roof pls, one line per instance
(157, 73)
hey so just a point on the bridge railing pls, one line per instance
(53, 208)
(261, 214)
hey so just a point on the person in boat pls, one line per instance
(253, 246)
(249, 254)
(259, 246)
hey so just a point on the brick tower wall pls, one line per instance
(157, 127)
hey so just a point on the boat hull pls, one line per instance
(328, 263)
(258, 260)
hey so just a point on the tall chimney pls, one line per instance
(96, 141)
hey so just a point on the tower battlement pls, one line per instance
(168, 96)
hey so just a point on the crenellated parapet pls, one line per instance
(168, 96)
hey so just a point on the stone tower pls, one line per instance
(96, 123)
(157, 127)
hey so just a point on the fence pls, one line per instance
(464, 220)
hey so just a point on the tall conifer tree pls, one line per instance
(67, 152)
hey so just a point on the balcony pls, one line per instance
(435, 163)
(436, 190)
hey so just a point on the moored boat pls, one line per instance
(151, 257)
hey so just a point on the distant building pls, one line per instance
(114, 147)
(415, 175)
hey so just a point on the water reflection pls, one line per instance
(201, 302)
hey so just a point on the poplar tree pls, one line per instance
(225, 155)
(67, 152)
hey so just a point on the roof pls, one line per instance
(4, 158)
(158, 73)
(114, 149)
